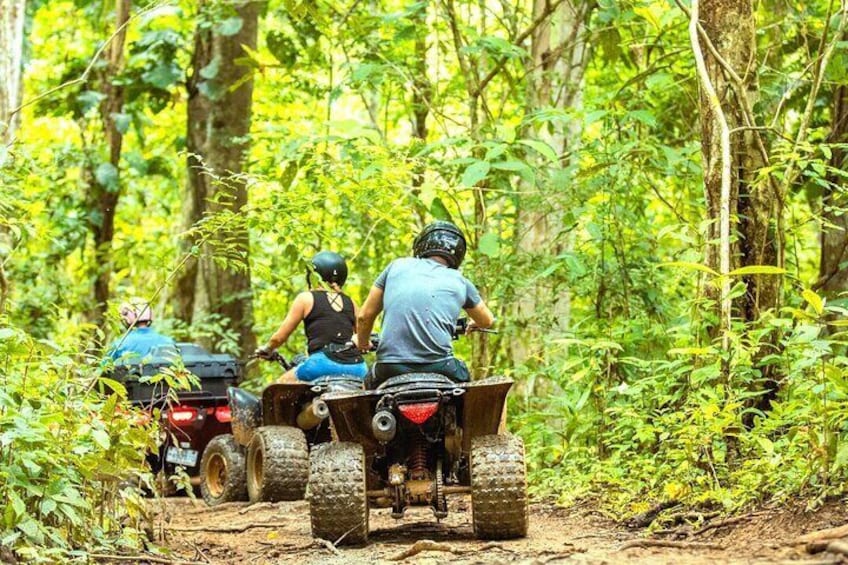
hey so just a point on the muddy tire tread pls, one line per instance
(499, 503)
(235, 488)
(338, 503)
(285, 461)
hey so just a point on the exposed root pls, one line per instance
(225, 529)
(425, 545)
(256, 506)
(723, 523)
(668, 543)
(822, 535)
(645, 519)
(839, 547)
(328, 544)
(142, 559)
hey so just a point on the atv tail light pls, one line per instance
(223, 414)
(420, 412)
(182, 415)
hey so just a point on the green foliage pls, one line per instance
(588, 214)
(72, 450)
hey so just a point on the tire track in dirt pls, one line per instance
(234, 534)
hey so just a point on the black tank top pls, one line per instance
(323, 325)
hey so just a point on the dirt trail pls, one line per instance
(199, 534)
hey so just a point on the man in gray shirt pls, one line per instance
(422, 298)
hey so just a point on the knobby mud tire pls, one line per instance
(338, 503)
(277, 464)
(498, 487)
(222, 471)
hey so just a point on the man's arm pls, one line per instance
(367, 316)
(480, 315)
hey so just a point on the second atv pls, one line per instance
(267, 456)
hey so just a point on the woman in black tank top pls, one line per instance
(329, 320)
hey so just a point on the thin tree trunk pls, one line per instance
(833, 275)
(558, 58)
(12, 14)
(104, 190)
(218, 125)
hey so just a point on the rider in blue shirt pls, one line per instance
(140, 339)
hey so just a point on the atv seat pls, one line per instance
(335, 383)
(418, 380)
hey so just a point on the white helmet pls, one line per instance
(136, 311)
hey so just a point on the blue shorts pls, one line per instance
(319, 365)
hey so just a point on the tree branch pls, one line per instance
(550, 9)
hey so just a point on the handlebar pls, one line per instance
(462, 327)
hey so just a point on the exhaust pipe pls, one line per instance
(313, 414)
(384, 426)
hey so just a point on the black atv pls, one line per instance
(414, 440)
(267, 456)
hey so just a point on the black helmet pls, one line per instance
(442, 239)
(331, 267)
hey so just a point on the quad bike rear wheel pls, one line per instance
(222, 471)
(277, 464)
(498, 487)
(338, 504)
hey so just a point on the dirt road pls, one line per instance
(236, 533)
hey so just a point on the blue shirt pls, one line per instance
(136, 345)
(422, 299)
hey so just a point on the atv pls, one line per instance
(191, 420)
(267, 456)
(414, 440)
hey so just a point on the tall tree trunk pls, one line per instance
(104, 186)
(833, 275)
(219, 113)
(731, 28)
(12, 14)
(558, 58)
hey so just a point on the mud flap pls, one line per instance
(246, 410)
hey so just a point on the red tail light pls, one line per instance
(223, 414)
(418, 413)
(182, 415)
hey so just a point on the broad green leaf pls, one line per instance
(475, 173)
(689, 265)
(542, 148)
(122, 122)
(757, 270)
(489, 244)
(115, 386)
(814, 299)
(230, 26)
(107, 176)
(101, 437)
(211, 70)
(162, 76)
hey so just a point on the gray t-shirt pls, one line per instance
(421, 301)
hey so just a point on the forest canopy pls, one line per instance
(653, 193)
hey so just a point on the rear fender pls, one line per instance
(351, 413)
(246, 412)
(483, 404)
(282, 402)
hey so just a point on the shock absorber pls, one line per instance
(416, 462)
